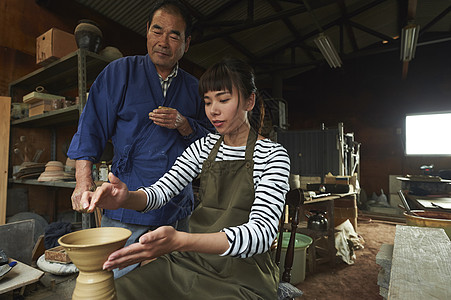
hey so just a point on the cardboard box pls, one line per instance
(53, 45)
(331, 179)
(308, 179)
(40, 107)
(38, 103)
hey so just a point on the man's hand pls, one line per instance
(84, 183)
(80, 188)
(172, 119)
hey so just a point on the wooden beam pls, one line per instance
(5, 115)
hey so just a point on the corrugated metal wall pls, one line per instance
(312, 152)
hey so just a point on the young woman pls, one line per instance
(244, 179)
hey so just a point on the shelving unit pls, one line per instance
(58, 184)
(76, 71)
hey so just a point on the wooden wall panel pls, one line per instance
(5, 105)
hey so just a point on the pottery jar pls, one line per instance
(88, 35)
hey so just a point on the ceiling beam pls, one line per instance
(272, 67)
(435, 20)
(277, 7)
(192, 10)
(245, 26)
(349, 31)
(235, 44)
(313, 33)
(382, 36)
(220, 10)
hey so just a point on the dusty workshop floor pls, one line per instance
(358, 281)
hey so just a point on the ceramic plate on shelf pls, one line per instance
(6, 268)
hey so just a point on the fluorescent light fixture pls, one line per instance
(427, 134)
(324, 44)
(409, 38)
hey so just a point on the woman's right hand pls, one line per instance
(110, 195)
(152, 244)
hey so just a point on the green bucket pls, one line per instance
(301, 243)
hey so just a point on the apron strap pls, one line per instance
(214, 151)
(251, 139)
(250, 144)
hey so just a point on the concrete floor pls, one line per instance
(342, 282)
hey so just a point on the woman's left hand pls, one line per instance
(153, 244)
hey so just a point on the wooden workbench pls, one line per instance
(421, 264)
(19, 276)
(326, 204)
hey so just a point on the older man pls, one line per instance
(151, 110)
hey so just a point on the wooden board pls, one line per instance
(19, 276)
(37, 97)
(421, 264)
(5, 112)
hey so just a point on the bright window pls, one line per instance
(428, 134)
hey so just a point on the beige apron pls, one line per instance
(226, 194)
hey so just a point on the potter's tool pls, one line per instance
(406, 205)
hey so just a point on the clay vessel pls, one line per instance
(430, 218)
(89, 249)
(88, 35)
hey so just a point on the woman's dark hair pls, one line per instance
(229, 73)
(173, 6)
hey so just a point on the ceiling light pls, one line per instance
(324, 44)
(409, 38)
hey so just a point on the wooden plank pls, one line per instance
(19, 276)
(421, 265)
(5, 114)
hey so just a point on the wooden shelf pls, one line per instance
(60, 184)
(60, 116)
(60, 75)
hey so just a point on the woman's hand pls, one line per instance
(153, 244)
(165, 240)
(110, 195)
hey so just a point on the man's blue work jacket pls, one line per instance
(118, 108)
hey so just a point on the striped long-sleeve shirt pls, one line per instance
(270, 175)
